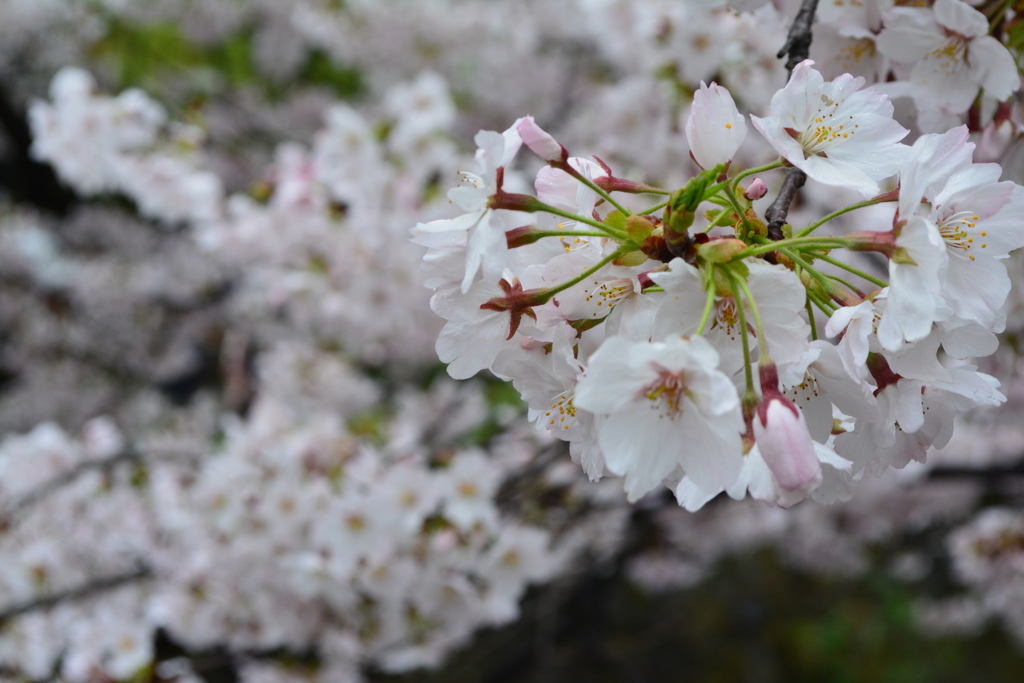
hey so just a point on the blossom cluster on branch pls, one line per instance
(633, 334)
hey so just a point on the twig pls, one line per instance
(779, 210)
(83, 591)
(798, 42)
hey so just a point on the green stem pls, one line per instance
(810, 317)
(762, 341)
(731, 198)
(656, 207)
(817, 224)
(824, 305)
(822, 242)
(567, 233)
(748, 374)
(546, 296)
(718, 220)
(850, 269)
(811, 270)
(708, 306)
(844, 283)
(608, 230)
(605, 195)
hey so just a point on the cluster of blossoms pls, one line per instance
(106, 143)
(386, 551)
(633, 335)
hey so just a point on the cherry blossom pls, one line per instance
(838, 132)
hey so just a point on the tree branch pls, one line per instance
(779, 210)
(798, 42)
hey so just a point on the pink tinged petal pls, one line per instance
(975, 188)
(960, 17)
(540, 141)
(715, 129)
(838, 174)
(993, 67)
(786, 445)
(559, 189)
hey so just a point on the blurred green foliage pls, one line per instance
(147, 56)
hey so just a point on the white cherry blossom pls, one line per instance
(668, 406)
(838, 133)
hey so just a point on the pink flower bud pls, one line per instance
(783, 438)
(755, 190)
(786, 446)
(540, 142)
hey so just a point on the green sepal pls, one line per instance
(585, 324)
(638, 228)
(633, 258)
(615, 220)
(901, 255)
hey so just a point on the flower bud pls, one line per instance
(755, 190)
(783, 438)
(721, 250)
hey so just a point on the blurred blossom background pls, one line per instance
(228, 451)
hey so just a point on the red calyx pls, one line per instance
(517, 302)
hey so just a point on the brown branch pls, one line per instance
(798, 42)
(779, 210)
